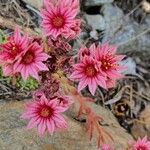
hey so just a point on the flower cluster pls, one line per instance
(59, 18)
(21, 55)
(97, 66)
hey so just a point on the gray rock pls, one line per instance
(147, 20)
(14, 136)
(94, 34)
(97, 22)
(97, 2)
(113, 18)
(128, 38)
(120, 30)
(131, 66)
(119, 37)
(35, 3)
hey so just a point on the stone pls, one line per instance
(110, 124)
(127, 39)
(113, 19)
(97, 2)
(97, 22)
(94, 34)
(120, 30)
(14, 136)
(142, 127)
(35, 3)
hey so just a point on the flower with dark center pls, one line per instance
(59, 17)
(11, 51)
(45, 114)
(31, 61)
(14, 46)
(88, 73)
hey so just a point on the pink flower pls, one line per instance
(142, 144)
(59, 17)
(108, 59)
(106, 147)
(45, 115)
(88, 73)
(12, 49)
(31, 61)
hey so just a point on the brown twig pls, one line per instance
(10, 24)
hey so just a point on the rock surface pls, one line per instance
(113, 17)
(94, 34)
(14, 136)
(142, 127)
(110, 124)
(35, 3)
(96, 2)
(120, 30)
(96, 22)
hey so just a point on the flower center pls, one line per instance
(142, 148)
(14, 49)
(28, 57)
(90, 71)
(107, 63)
(46, 112)
(58, 21)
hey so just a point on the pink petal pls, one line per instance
(33, 72)
(28, 115)
(60, 122)
(76, 75)
(17, 35)
(8, 70)
(114, 74)
(24, 73)
(33, 122)
(101, 81)
(41, 66)
(42, 57)
(92, 86)
(82, 84)
(50, 126)
(42, 127)
(119, 57)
